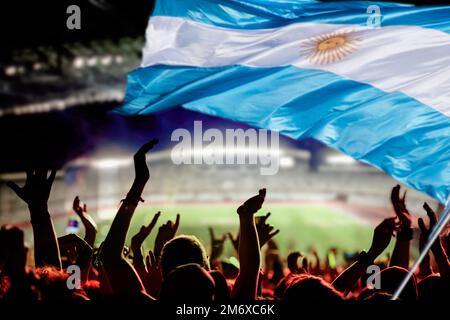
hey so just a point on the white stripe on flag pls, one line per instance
(408, 59)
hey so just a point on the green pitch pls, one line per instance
(301, 226)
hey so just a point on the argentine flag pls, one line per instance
(369, 79)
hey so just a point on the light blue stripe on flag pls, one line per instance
(403, 137)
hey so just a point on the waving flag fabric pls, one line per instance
(378, 92)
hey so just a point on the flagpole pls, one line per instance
(437, 229)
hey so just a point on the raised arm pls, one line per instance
(216, 248)
(425, 266)
(438, 252)
(245, 287)
(89, 223)
(35, 193)
(381, 238)
(123, 279)
(115, 240)
(400, 255)
(138, 239)
(136, 248)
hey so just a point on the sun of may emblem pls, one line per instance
(330, 47)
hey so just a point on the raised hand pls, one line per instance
(317, 267)
(153, 278)
(425, 266)
(36, 190)
(216, 246)
(89, 223)
(425, 232)
(264, 229)
(138, 239)
(234, 240)
(382, 237)
(292, 261)
(35, 193)
(142, 174)
(252, 205)
(401, 253)
(400, 207)
(165, 233)
(79, 208)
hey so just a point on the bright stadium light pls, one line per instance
(250, 151)
(119, 59)
(37, 66)
(10, 71)
(106, 60)
(111, 163)
(235, 151)
(226, 153)
(106, 214)
(92, 61)
(78, 62)
(340, 159)
(287, 162)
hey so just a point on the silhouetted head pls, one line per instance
(230, 271)
(182, 250)
(282, 285)
(52, 284)
(433, 288)
(392, 277)
(376, 296)
(310, 288)
(189, 282)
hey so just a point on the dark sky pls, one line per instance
(27, 22)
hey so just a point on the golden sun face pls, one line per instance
(331, 47)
